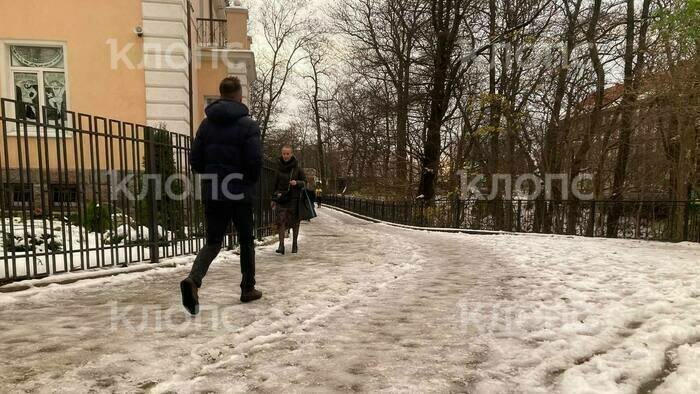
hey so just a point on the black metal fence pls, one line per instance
(88, 192)
(649, 220)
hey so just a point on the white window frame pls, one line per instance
(7, 76)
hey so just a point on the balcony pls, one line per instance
(212, 33)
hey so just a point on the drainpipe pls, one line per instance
(189, 65)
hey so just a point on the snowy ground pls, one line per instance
(77, 249)
(74, 245)
(370, 307)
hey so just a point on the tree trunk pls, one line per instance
(551, 160)
(594, 119)
(629, 98)
(495, 112)
(446, 17)
(319, 132)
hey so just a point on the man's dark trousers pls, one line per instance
(218, 216)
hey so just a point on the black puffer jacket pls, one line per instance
(228, 142)
(284, 175)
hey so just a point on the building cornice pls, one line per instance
(237, 55)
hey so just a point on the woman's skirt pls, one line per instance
(287, 214)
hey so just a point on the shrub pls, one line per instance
(96, 218)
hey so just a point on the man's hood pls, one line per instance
(226, 111)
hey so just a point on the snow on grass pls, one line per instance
(57, 247)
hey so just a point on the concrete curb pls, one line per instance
(97, 273)
(454, 230)
(437, 229)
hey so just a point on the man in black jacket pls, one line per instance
(227, 152)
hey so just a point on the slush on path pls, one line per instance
(372, 307)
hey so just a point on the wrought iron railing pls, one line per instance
(62, 208)
(649, 220)
(211, 33)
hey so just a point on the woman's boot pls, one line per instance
(295, 232)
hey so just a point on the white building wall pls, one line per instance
(165, 61)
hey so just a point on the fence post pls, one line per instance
(422, 213)
(518, 219)
(257, 218)
(456, 215)
(590, 230)
(686, 220)
(153, 212)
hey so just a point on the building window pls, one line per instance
(64, 194)
(19, 193)
(39, 79)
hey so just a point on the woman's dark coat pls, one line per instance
(286, 171)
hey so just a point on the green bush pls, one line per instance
(97, 218)
(51, 244)
(160, 153)
(13, 244)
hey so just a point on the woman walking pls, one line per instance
(289, 184)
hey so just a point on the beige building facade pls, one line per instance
(125, 60)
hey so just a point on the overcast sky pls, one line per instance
(290, 100)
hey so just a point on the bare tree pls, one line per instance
(317, 56)
(514, 86)
(386, 34)
(581, 153)
(446, 18)
(286, 29)
(627, 106)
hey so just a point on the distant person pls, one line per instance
(312, 194)
(318, 193)
(227, 148)
(289, 183)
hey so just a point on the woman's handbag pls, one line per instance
(306, 208)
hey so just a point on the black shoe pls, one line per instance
(250, 295)
(190, 299)
(280, 249)
(295, 249)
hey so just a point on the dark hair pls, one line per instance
(230, 87)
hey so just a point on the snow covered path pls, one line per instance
(367, 307)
